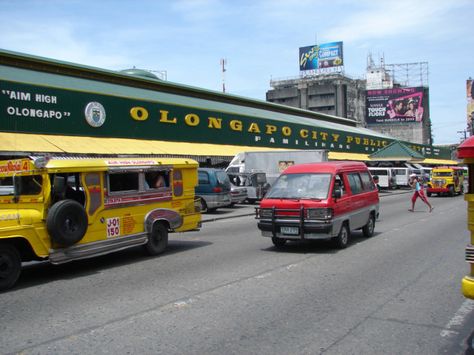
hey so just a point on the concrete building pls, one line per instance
(333, 94)
(339, 95)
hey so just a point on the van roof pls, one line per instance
(327, 167)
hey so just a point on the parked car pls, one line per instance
(238, 194)
(255, 183)
(213, 189)
(320, 201)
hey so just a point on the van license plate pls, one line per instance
(290, 230)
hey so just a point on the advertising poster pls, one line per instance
(470, 104)
(327, 55)
(399, 105)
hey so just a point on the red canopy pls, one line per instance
(466, 149)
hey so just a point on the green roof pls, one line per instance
(397, 151)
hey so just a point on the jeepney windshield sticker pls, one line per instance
(14, 165)
(129, 162)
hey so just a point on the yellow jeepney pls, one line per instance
(447, 180)
(64, 209)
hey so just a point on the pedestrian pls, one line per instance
(419, 192)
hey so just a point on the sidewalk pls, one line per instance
(242, 210)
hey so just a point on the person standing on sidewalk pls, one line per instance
(419, 192)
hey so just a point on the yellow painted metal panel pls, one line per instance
(18, 142)
(348, 156)
(440, 161)
(92, 145)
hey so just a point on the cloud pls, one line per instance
(59, 42)
(389, 19)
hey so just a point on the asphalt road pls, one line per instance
(227, 290)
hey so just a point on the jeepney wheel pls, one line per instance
(428, 194)
(10, 266)
(278, 242)
(369, 228)
(66, 222)
(342, 238)
(451, 191)
(157, 239)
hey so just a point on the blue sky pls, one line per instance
(259, 39)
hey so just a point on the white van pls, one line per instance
(402, 176)
(386, 177)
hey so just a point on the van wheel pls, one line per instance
(157, 239)
(369, 228)
(278, 242)
(66, 222)
(10, 266)
(203, 205)
(342, 238)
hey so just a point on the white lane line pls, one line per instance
(458, 319)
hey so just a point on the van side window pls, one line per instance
(121, 182)
(339, 184)
(367, 182)
(355, 183)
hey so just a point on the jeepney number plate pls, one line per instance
(290, 230)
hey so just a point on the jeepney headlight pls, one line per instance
(265, 213)
(319, 213)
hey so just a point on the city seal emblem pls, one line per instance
(95, 114)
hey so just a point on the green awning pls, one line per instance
(397, 151)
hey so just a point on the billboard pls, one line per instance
(321, 56)
(399, 105)
(470, 105)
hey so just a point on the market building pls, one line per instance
(59, 108)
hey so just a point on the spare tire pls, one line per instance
(66, 222)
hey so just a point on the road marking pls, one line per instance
(458, 319)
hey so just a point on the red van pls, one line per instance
(320, 201)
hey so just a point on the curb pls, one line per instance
(213, 219)
(227, 217)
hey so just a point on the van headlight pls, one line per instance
(265, 213)
(319, 213)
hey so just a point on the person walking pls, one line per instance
(419, 192)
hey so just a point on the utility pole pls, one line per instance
(223, 64)
(465, 135)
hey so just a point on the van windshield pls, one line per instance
(301, 186)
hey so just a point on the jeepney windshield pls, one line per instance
(301, 186)
(6, 186)
(442, 173)
(25, 185)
